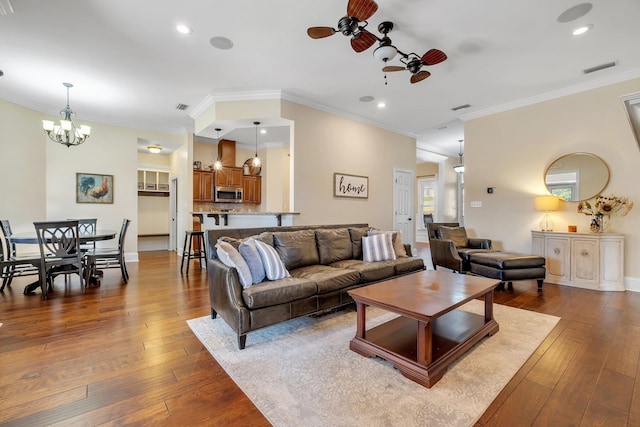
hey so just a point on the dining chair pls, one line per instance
(103, 258)
(14, 265)
(59, 252)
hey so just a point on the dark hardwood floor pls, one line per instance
(124, 355)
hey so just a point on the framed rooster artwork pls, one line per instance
(94, 188)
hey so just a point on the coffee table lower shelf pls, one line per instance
(397, 342)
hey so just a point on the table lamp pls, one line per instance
(547, 203)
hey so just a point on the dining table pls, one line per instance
(31, 238)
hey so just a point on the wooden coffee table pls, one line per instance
(430, 332)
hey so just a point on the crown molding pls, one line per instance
(212, 98)
(547, 96)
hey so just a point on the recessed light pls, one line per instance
(221, 43)
(183, 29)
(367, 98)
(581, 30)
(263, 131)
(381, 104)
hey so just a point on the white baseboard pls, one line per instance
(632, 284)
(131, 257)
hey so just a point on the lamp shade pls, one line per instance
(547, 203)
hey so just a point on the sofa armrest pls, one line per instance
(480, 243)
(225, 295)
(445, 254)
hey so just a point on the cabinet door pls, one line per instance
(252, 188)
(235, 177)
(197, 186)
(585, 261)
(207, 186)
(222, 177)
(558, 261)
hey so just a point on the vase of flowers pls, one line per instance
(602, 208)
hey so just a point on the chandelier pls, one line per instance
(66, 133)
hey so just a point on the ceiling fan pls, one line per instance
(414, 63)
(357, 11)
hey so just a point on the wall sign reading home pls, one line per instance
(350, 186)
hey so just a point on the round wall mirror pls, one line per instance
(577, 176)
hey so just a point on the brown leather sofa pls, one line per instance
(451, 248)
(325, 262)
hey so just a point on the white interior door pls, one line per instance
(403, 204)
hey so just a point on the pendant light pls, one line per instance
(218, 164)
(256, 159)
(66, 132)
(459, 168)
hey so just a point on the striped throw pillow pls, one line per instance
(378, 247)
(273, 266)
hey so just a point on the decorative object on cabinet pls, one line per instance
(577, 176)
(94, 188)
(354, 186)
(66, 133)
(583, 260)
(546, 204)
(153, 183)
(197, 165)
(249, 169)
(602, 208)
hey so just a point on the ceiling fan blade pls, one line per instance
(390, 68)
(361, 9)
(363, 41)
(320, 32)
(433, 57)
(420, 76)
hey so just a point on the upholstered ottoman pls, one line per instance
(508, 266)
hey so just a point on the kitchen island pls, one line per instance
(240, 219)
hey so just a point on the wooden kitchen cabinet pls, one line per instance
(229, 177)
(252, 189)
(202, 186)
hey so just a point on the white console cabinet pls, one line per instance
(591, 261)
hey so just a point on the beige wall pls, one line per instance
(22, 166)
(511, 150)
(325, 143)
(426, 169)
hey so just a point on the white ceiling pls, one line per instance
(130, 67)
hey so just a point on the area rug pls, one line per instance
(303, 373)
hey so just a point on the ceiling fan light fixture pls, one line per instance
(385, 53)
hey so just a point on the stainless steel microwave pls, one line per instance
(228, 194)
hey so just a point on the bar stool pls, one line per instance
(198, 249)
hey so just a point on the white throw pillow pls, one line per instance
(378, 247)
(396, 239)
(232, 258)
(273, 266)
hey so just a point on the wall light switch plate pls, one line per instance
(476, 204)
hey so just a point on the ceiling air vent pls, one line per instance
(599, 67)
(460, 107)
(182, 107)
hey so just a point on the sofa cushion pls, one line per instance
(327, 279)
(406, 264)
(333, 245)
(273, 266)
(296, 248)
(356, 235)
(232, 258)
(396, 239)
(369, 271)
(278, 292)
(251, 256)
(457, 234)
(378, 247)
